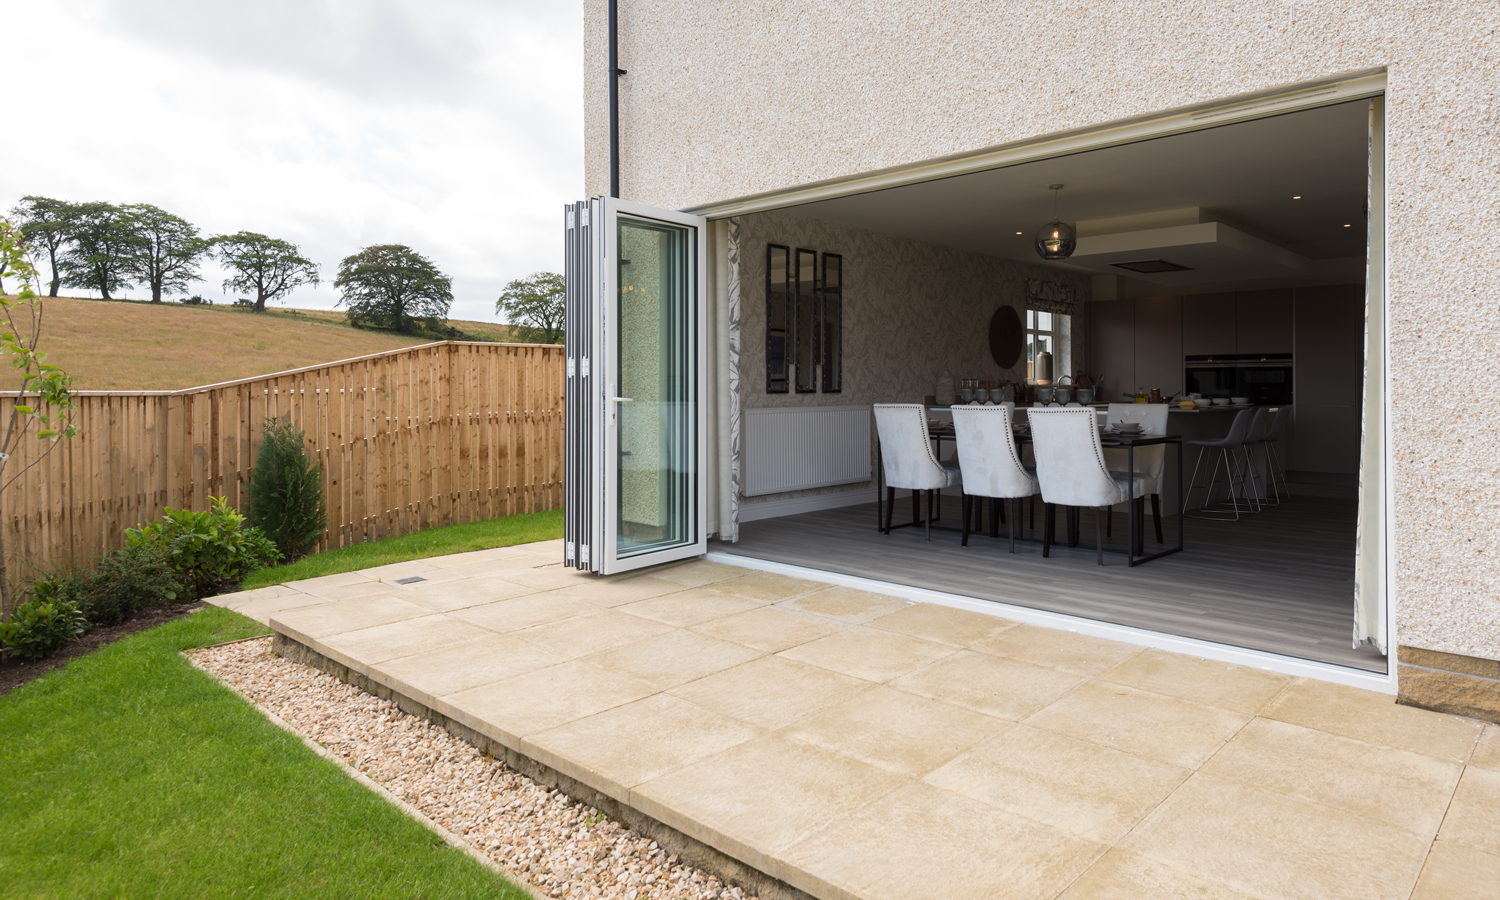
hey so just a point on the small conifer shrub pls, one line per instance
(286, 491)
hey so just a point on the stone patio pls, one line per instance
(857, 745)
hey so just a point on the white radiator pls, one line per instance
(791, 449)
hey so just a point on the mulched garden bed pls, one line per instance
(16, 672)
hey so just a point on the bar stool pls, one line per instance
(1274, 468)
(1226, 446)
(1254, 435)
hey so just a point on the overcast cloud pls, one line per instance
(455, 127)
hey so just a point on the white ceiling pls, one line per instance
(1244, 175)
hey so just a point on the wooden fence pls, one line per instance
(431, 435)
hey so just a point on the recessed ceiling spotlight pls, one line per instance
(1298, 197)
(1020, 232)
(1348, 226)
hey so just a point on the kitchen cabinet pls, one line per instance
(1158, 344)
(1208, 324)
(1263, 321)
(1329, 378)
(1112, 345)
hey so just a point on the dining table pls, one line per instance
(1108, 438)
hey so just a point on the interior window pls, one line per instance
(1050, 332)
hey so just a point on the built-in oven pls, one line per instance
(1264, 378)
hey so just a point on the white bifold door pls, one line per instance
(634, 474)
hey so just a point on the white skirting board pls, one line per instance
(791, 506)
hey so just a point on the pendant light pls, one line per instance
(1057, 238)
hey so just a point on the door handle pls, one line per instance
(623, 399)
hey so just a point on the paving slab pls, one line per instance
(1268, 844)
(854, 745)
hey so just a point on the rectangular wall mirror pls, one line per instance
(808, 316)
(833, 323)
(778, 317)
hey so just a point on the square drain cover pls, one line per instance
(412, 580)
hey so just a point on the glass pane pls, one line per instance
(833, 323)
(657, 430)
(807, 322)
(1044, 321)
(778, 300)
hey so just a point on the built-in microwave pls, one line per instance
(1264, 378)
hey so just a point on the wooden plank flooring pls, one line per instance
(1281, 581)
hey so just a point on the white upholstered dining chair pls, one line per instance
(992, 466)
(1071, 472)
(907, 458)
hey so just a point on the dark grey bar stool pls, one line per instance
(1226, 445)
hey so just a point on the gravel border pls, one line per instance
(545, 840)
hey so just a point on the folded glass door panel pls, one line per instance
(637, 429)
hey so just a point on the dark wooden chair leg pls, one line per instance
(1099, 531)
(890, 507)
(997, 515)
(1031, 519)
(1049, 519)
(1073, 526)
(929, 515)
(1015, 514)
(1109, 521)
(1156, 514)
(968, 508)
(916, 507)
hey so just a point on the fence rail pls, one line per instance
(430, 435)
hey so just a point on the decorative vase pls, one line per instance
(944, 391)
(1042, 370)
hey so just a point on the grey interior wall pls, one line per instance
(913, 312)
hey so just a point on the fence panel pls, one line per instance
(436, 434)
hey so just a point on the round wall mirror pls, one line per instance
(1007, 337)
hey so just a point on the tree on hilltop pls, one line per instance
(101, 239)
(45, 223)
(393, 286)
(167, 249)
(535, 302)
(267, 266)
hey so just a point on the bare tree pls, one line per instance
(44, 404)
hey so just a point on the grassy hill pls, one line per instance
(130, 345)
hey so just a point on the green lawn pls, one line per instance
(502, 532)
(131, 774)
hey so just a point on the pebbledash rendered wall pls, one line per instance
(724, 100)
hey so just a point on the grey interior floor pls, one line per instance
(1280, 581)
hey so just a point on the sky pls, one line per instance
(452, 126)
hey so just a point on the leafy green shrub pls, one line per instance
(211, 550)
(37, 628)
(122, 582)
(286, 491)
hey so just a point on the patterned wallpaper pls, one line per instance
(913, 312)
